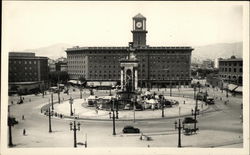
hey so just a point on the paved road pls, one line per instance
(219, 128)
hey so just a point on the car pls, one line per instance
(138, 107)
(188, 120)
(210, 101)
(127, 107)
(130, 129)
(12, 121)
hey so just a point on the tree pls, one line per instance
(83, 81)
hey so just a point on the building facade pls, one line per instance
(26, 69)
(230, 70)
(157, 67)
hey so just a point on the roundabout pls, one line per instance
(83, 111)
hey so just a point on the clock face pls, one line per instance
(139, 24)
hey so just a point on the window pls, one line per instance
(234, 69)
(240, 69)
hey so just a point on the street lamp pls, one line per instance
(195, 112)
(50, 130)
(162, 106)
(113, 117)
(74, 128)
(80, 92)
(179, 131)
(133, 100)
(194, 91)
(52, 104)
(11, 122)
(71, 102)
(170, 87)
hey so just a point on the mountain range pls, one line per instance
(212, 51)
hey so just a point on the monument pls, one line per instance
(129, 78)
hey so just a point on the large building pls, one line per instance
(230, 70)
(158, 66)
(27, 71)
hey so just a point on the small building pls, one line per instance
(230, 70)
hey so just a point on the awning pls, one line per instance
(152, 101)
(92, 97)
(148, 93)
(231, 87)
(72, 81)
(238, 89)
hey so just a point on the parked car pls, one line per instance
(138, 107)
(130, 129)
(12, 121)
(188, 120)
(127, 107)
(210, 100)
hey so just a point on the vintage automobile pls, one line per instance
(130, 129)
(210, 100)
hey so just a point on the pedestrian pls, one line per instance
(23, 117)
(24, 132)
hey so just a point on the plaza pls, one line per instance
(99, 126)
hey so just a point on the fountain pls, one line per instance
(129, 80)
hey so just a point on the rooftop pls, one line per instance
(139, 16)
(233, 58)
(75, 48)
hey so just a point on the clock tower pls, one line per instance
(139, 30)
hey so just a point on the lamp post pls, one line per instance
(117, 108)
(195, 112)
(11, 122)
(52, 104)
(133, 100)
(194, 91)
(58, 90)
(113, 117)
(170, 87)
(80, 92)
(58, 93)
(179, 131)
(50, 130)
(162, 106)
(71, 102)
(74, 128)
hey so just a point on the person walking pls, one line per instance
(23, 117)
(24, 132)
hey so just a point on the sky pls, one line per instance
(35, 24)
